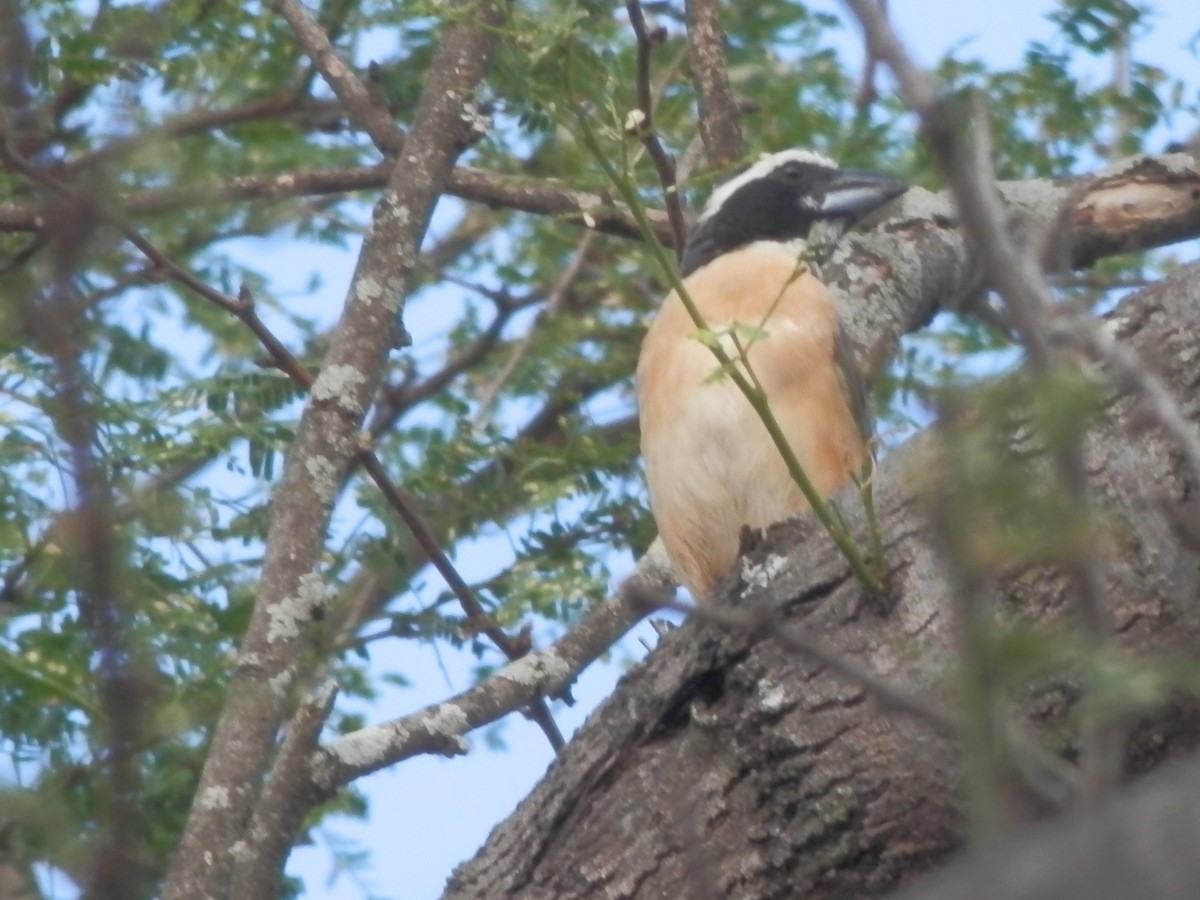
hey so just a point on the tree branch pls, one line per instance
(291, 591)
(375, 118)
(720, 127)
(641, 123)
(439, 728)
(272, 829)
(1018, 279)
(554, 301)
(579, 207)
(477, 617)
(893, 280)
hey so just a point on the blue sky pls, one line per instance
(429, 814)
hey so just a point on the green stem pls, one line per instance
(866, 493)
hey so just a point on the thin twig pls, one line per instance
(198, 121)
(477, 616)
(499, 296)
(558, 294)
(1083, 332)
(580, 207)
(1017, 278)
(1122, 85)
(396, 400)
(22, 256)
(973, 594)
(867, 92)
(642, 124)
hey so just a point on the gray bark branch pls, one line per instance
(291, 590)
(720, 119)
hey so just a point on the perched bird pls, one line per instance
(710, 464)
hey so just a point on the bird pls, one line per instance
(749, 266)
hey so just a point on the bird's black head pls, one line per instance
(781, 198)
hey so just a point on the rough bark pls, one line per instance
(1141, 845)
(725, 766)
(718, 120)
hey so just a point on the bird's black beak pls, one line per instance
(853, 194)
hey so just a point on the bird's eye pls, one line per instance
(792, 173)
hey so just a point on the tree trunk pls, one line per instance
(726, 765)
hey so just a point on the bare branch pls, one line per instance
(642, 124)
(375, 118)
(477, 617)
(867, 92)
(1013, 272)
(272, 829)
(584, 208)
(719, 124)
(439, 728)
(1018, 279)
(554, 301)
(303, 778)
